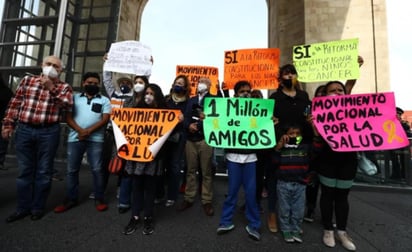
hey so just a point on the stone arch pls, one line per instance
(310, 21)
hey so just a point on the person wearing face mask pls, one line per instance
(87, 121)
(241, 169)
(145, 174)
(123, 93)
(174, 147)
(290, 105)
(336, 171)
(125, 182)
(36, 109)
(198, 153)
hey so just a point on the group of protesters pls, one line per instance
(300, 158)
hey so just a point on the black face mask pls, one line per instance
(125, 89)
(287, 83)
(91, 89)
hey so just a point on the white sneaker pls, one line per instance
(346, 241)
(169, 203)
(91, 195)
(328, 238)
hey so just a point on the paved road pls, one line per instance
(380, 220)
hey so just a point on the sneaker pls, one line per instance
(208, 208)
(264, 193)
(272, 223)
(222, 229)
(185, 205)
(309, 217)
(297, 237)
(287, 236)
(169, 203)
(253, 233)
(346, 241)
(328, 238)
(182, 188)
(131, 226)
(101, 206)
(158, 201)
(91, 195)
(65, 206)
(148, 227)
(123, 209)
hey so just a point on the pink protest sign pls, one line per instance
(359, 122)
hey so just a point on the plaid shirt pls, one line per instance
(34, 104)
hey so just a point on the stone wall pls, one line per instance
(312, 21)
(130, 19)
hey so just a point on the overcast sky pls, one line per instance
(197, 32)
(188, 32)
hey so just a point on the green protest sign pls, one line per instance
(239, 123)
(335, 60)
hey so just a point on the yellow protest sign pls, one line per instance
(141, 132)
(258, 66)
(335, 60)
(194, 73)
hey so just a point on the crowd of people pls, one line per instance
(291, 172)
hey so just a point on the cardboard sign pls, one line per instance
(140, 133)
(359, 122)
(131, 57)
(336, 60)
(194, 73)
(258, 66)
(239, 123)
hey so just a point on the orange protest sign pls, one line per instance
(194, 73)
(258, 66)
(141, 132)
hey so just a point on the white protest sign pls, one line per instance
(131, 57)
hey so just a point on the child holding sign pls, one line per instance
(241, 167)
(291, 157)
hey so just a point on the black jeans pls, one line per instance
(334, 200)
(143, 195)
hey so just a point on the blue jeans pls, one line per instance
(75, 151)
(35, 152)
(291, 198)
(3, 149)
(125, 191)
(239, 174)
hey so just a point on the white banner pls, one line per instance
(131, 57)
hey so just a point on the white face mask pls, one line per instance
(138, 87)
(201, 88)
(50, 71)
(148, 99)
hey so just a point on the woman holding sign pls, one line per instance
(336, 172)
(144, 174)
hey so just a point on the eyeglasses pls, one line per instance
(92, 83)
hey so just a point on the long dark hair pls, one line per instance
(159, 99)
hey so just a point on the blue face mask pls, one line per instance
(179, 89)
(125, 89)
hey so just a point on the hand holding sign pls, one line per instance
(359, 122)
(240, 123)
(130, 57)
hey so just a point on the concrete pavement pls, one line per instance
(380, 220)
